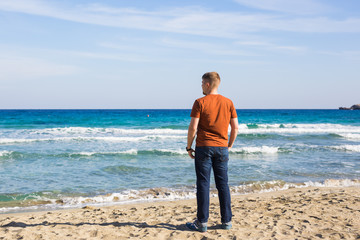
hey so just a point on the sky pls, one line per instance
(117, 54)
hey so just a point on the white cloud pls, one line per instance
(194, 21)
(288, 6)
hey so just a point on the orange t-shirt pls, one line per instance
(215, 112)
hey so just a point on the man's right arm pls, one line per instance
(234, 124)
(194, 122)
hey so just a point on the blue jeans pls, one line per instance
(217, 158)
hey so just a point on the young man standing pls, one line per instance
(210, 119)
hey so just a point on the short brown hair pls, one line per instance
(213, 78)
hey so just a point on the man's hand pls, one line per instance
(190, 152)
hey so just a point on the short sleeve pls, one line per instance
(233, 111)
(195, 112)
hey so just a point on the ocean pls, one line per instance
(55, 159)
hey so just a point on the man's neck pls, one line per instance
(214, 92)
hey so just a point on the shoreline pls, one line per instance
(159, 194)
(304, 213)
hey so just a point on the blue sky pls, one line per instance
(152, 54)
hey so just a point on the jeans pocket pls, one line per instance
(201, 154)
(224, 154)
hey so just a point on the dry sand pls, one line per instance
(306, 213)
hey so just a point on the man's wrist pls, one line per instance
(188, 149)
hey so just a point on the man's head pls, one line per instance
(210, 82)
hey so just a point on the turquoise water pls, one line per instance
(68, 158)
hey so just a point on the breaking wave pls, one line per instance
(297, 128)
(5, 153)
(95, 131)
(253, 150)
(350, 148)
(105, 139)
(54, 200)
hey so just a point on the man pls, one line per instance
(210, 119)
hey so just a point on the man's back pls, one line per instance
(214, 112)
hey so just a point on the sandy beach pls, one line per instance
(298, 213)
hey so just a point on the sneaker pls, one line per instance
(197, 226)
(226, 226)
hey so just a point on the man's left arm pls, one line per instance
(234, 124)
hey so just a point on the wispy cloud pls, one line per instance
(294, 6)
(32, 68)
(195, 21)
(346, 54)
(207, 48)
(272, 46)
(34, 63)
(128, 57)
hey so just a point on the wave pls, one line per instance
(131, 152)
(88, 154)
(248, 131)
(5, 153)
(15, 140)
(127, 152)
(55, 200)
(106, 139)
(347, 131)
(250, 150)
(351, 136)
(297, 128)
(95, 131)
(10, 155)
(155, 152)
(350, 148)
(292, 148)
(253, 150)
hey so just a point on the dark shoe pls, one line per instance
(197, 226)
(226, 226)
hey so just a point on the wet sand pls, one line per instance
(298, 213)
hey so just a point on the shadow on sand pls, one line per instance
(167, 226)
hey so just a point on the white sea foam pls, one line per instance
(154, 194)
(138, 135)
(173, 151)
(351, 136)
(161, 194)
(253, 150)
(299, 128)
(116, 139)
(352, 131)
(351, 148)
(266, 150)
(5, 153)
(130, 152)
(335, 183)
(95, 131)
(15, 140)
(85, 138)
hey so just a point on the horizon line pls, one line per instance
(1, 109)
